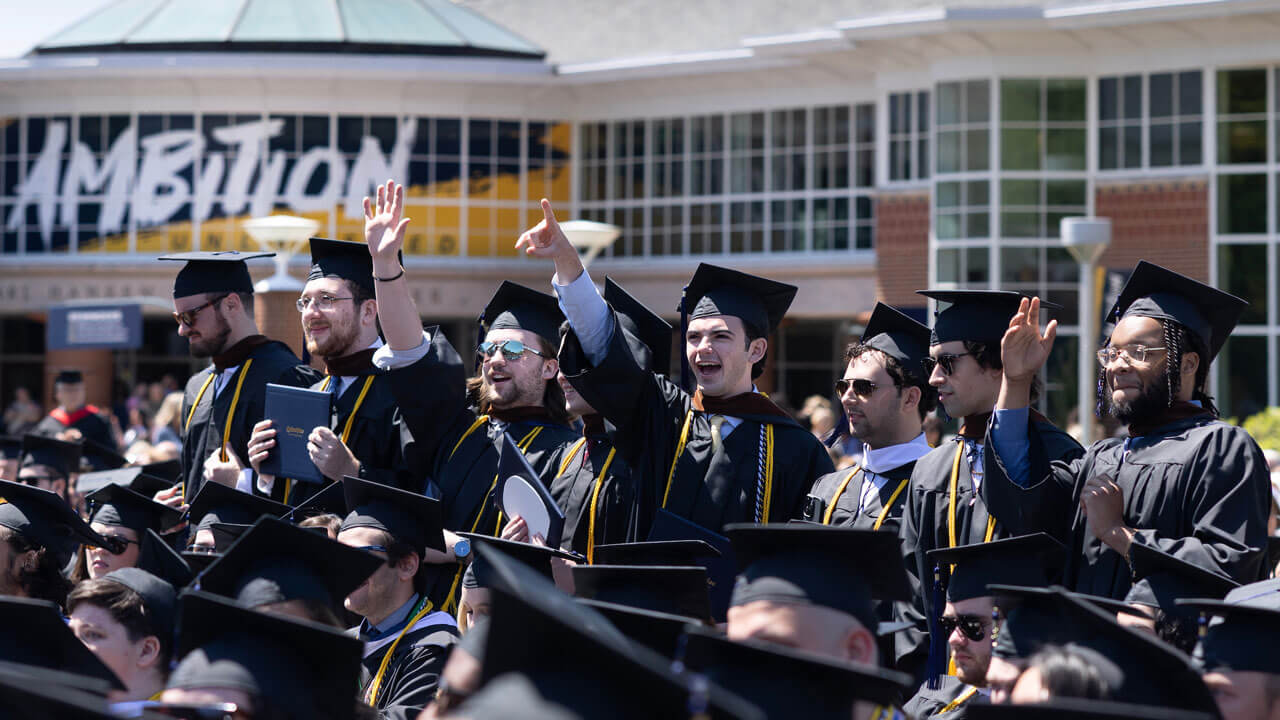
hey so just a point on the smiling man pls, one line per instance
(1182, 482)
(213, 306)
(340, 326)
(945, 503)
(723, 454)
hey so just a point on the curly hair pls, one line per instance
(552, 394)
(903, 376)
(45, 580)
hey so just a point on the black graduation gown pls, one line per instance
(930, 703)
(925, 524)
(1196, 488)
(91, 427)
(410, 682)
(646, 413)
(453, 459)
(375, 436)
(273, 362)
(614, 503)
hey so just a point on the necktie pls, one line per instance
(717, 441)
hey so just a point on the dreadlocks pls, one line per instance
(1177, 342)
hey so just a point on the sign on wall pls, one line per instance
(94, 327)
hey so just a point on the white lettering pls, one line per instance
(295, 192)
(248, 140)
(161, 191)
(372, 168)
(41, 184)
(84, 173)
(210, 177)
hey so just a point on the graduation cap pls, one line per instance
(1070, 708)
(1154, 673)
(514, 695)
(46, 519)
(158, 596)
(68, 377)
(43, 696)
(1033, 619)
(63, 457)
(307, 667)
(1156, 292)
(596, 671)
(789, 683)
(647, 334)
(658, 631)
(1161, 579)
(329, 501)
(480, 573)
(1027, 560)
(1245, 629)
(158, 558)
(118, 506)
(218, 503)
(897, 335)
(19, 672)
(521, 493)
(226, 534)
(135, 478)
(671, 590)
(222, 271)
(721, 568)
(10, 447)
(517, 307)
(975, 315)
(169, 470)
(342, 259)
(277, 562)
(656, 552)
(96, 456)
(35, 634)
(1273, 553)
(840, 568)
(409, 517)
(758, 302)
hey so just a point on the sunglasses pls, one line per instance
(946, 360)
(970, 626)
(188, 317)
(511, 349)
(117, 544)
(862, 387)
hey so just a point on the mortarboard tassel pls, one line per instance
(479, 339)
(936, 664)
(686, 377)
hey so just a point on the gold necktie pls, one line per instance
(717, 440)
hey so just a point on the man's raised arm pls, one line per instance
(384, 231)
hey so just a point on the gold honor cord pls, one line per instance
(371, 695)
(450, 601)
(235, 400)
(595, 493)
(964, 697)
(768, 464)
(889, 505)
(826, 517)
(951, 526)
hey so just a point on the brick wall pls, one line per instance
(1165, 222)
(902, 247)
(278, 319)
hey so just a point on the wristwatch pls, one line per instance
(462, 549)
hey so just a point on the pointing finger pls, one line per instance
(548, 215)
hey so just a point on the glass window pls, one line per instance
(1242, 376)
(963, 134)
(668, 157)
(786, 225)
(1242, 204)
(789, 135)
(832, 133)
(962, 210)
(666, 230)
(909, 135)
(1242, 271)
(628, 163)
(1242, 119)
(1043, 124)
(707, 155)
(746, 227)
(1120, 122)
(1034, 208)
(746, 153)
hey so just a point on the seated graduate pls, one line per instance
(279, 568)
(126, 618)
(406, 636)
(49, 464)
(39, 534)
(478, 578)
(35, 639)
(258, 665)
(451, 424)
(73, 413)
(815, 588)
(969, 619)
(1238, 649)
(218, 503)
(124, 516)
(1183, 481)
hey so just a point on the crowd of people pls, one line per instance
(565, 531)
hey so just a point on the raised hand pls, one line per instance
(383, 225)
(1023, 349)
(547, 240)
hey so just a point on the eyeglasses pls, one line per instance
(862, 387)
(511, 349)
(214, 711)
(324, 302)
(373, 548)
(946, 360)
(188, 317)
(1130, 353)
(970, 626)
(117, 544)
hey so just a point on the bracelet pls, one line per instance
(397, 276)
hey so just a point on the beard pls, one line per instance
(1152, 400)
(338, 343)
(209, 345)
(521, 391)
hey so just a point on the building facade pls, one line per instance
(857, 154)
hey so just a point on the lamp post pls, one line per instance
(284, 235)
(1086, 238)
(590, 237)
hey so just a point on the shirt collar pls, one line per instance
(882, 460)
(396, 618)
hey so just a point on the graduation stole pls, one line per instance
(595, 491)
(752, 403)
(831, 508)
(66, 418)
(422, 609)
